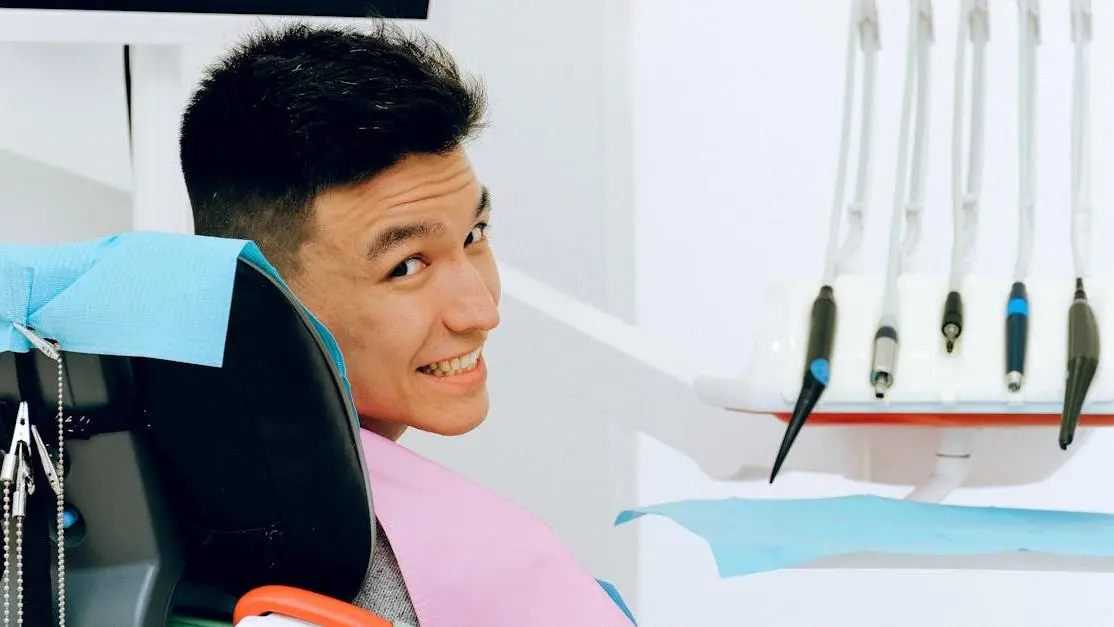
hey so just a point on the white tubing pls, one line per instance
(862, 33)
(1029, 31)
(953, 466)
(1081, 140)
(919, 42)
(973, 29)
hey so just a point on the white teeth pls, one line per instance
(454, 366)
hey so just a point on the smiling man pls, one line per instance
(401, 271)
(341, 154)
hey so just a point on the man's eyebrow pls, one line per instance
(395, 236)
(485, 203)
(398, 235)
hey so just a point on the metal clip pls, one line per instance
(46, 347)
(866, 16)
(970, 207)
(24, 487)
(1031, 12)
(47, 461)
(20, 446)
(7, 471)
(856, 212)
(924, 8)
(1080, 20)
(15, 468)
(978, 20)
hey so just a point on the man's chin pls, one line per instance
(445, 419)
(460, 428)
(451, 428)
(393, 431)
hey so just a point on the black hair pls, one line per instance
(292, 112)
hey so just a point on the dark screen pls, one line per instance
(399, 9)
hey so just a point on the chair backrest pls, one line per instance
(195, 484)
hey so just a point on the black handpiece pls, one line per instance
(952, 326)
(1017, 335)
(821, 336)
(1083, 361)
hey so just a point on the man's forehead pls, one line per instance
(417, 178)
(464, 203)
(413, 186)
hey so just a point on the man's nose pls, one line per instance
(472, 305)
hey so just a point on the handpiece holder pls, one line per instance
(964, 393)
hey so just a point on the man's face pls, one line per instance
(400, 270)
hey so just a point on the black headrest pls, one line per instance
(259, 460)
(262, 457)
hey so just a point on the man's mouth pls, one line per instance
(454, 366)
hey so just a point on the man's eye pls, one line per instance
(406, 268)
(478, 233)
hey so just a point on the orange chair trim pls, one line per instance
(304, 605)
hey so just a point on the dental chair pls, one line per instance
(200, 496)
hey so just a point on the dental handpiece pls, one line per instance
(952, 326)
(821, 336)
(1083, 361)
(1017, 335)
(884, 361)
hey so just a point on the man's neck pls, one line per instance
(390, 430)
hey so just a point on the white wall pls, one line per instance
(737, 122)
(64, 171)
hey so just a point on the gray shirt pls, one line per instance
(384, 592)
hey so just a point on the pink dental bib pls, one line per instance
(473, 559)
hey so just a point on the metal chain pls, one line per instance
(60, 470)
(7, 554)
(19, 570)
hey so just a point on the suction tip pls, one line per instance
(783, 452)
(821, 337)
(1014, 380)
(777, 468)
(1080, 374)
(1083, 362)
(811, 390)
